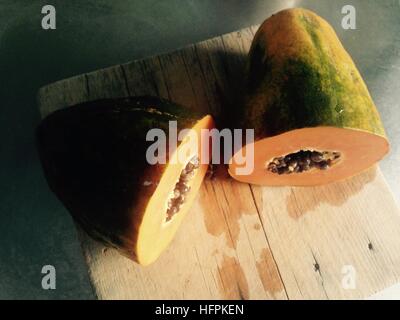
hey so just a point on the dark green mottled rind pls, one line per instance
(93, 156)
(309, 88)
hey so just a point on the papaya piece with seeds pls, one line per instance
(306, 99)
(94, 159)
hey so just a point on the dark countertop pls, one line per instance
(34, 227)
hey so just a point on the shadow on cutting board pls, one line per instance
(303, 200)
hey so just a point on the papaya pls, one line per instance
(314, 120)
(94, 157)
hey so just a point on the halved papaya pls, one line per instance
(94, 158)
(314, 120)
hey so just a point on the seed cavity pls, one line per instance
(303, 160)
(181, 188)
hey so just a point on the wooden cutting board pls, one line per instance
(241, 241)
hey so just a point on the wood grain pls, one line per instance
(241, 241)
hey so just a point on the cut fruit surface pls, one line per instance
(306, 99)
(354, 147)
(154, 235)
(94, 159)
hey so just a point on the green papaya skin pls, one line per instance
(299, 75)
